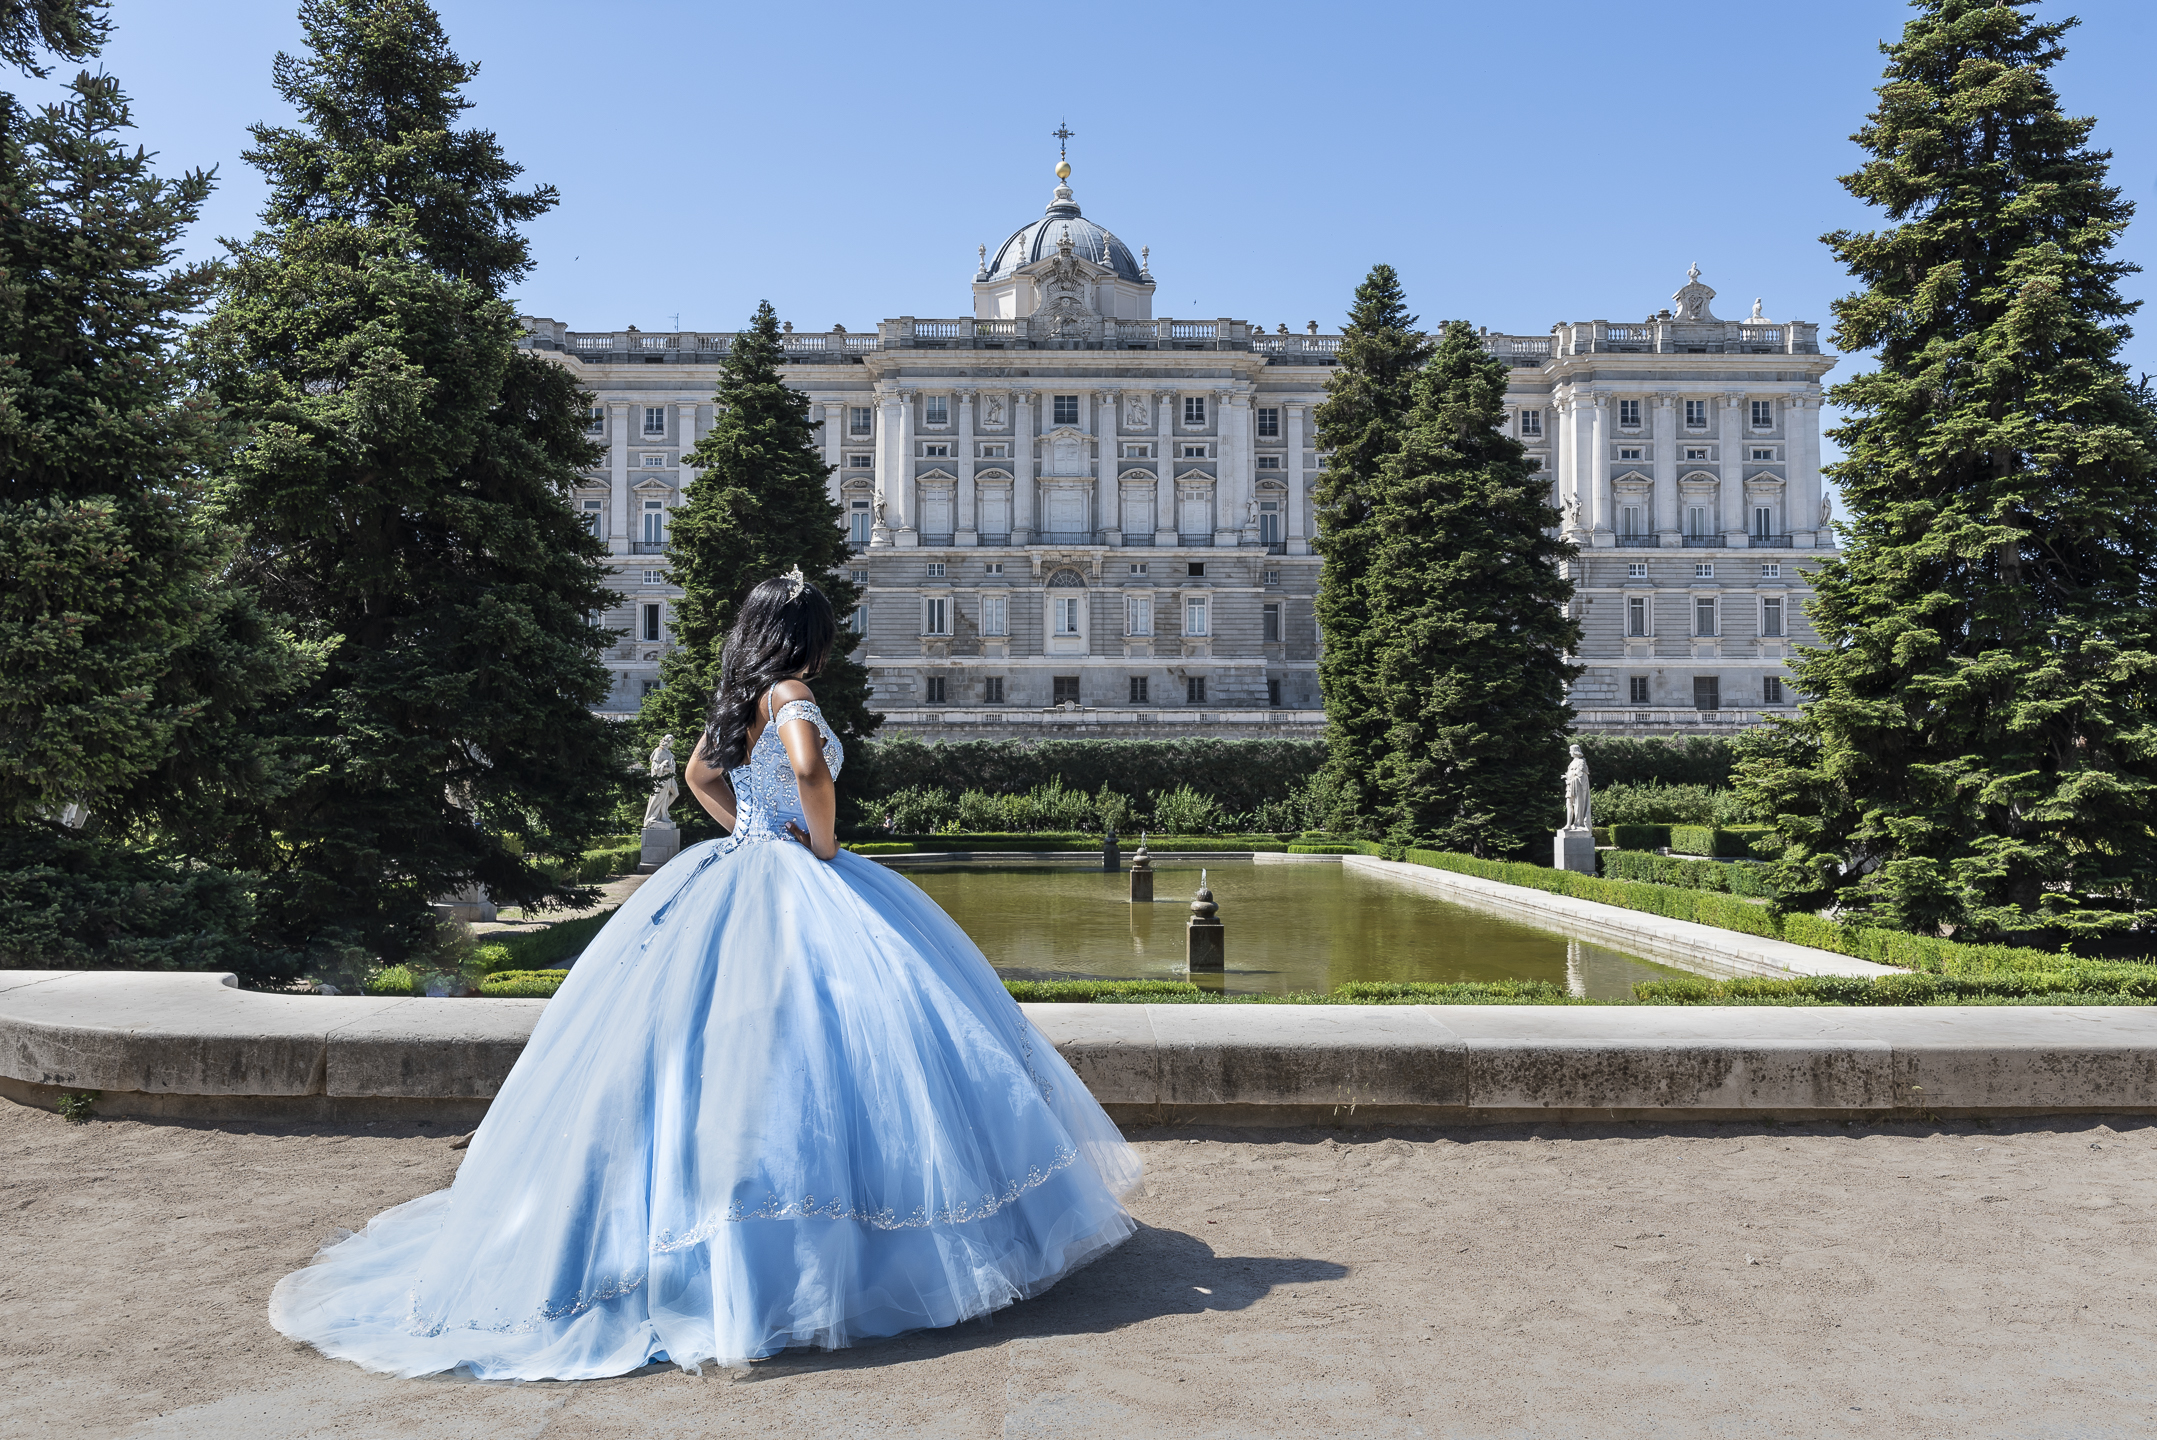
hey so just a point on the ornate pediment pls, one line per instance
(937, 474)
(1632, 478)
(1698, 477)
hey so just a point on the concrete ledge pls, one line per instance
(912, 858)
(1704, 949)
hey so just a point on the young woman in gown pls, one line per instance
(780, 1100)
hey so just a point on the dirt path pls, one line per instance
(1573, 1282)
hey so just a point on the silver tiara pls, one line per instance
(794, 582)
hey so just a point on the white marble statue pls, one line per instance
(1576, 792)
(992, 412)
(666, 791)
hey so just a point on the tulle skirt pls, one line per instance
(777, 1102)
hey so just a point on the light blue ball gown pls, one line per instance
(779, 1101)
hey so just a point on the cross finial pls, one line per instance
(1063, 132)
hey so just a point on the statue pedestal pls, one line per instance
(1573, 850)
(663, 842)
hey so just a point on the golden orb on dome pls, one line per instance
(1063, 169)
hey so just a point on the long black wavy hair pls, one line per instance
(773, 639)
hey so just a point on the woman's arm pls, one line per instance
(709, 783)
(805, 752)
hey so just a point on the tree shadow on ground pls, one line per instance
(1155, 1273)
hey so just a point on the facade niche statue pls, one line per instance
(667, 791)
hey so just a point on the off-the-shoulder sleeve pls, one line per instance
(834, 753)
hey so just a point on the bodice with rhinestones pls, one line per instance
(766, 795)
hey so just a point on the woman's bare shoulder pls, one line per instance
(786, 692)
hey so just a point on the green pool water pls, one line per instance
(1290, 927)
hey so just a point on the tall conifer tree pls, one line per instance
(1359, 423)
(1467, 634)
(407, 477)
(758, 508)
(128, 669)
(1978, 751)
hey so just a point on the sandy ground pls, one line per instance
(1574, 1281)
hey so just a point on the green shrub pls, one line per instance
(1070, 992)
(1434, 992)
(523, 984)
(1239, 775)
(392, 980)
(2088, 984)
(1639, 837)
(1297, 847)
(1184, 811)
(558, 943)
(1733, 878)
(1659, 760)
(1653, 804)
(1734, 842)
(919, 810)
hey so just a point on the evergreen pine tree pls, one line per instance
(759, 507)
(407, 477)
(71, 29)
(1359, 423)
(1978, 752)
(1467, 633)
(128, 670)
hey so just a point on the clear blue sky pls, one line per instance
(1519, 166)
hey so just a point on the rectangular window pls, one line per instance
(1067, 616)
(1195, 567)
(995, 452)
(1066, 410)
(935, 695)
(1771, 572)
(935, 410)
(860, 462)
(1269, 622)
(1273, 693)
(1637, 689)
(1763, 415)
(936, 616)
(1698, 453)
(936, 452)
(1629, 414)
(1707, 692)
(1696, 521)
(595, 420)
(1194, 409)
(1632, 454)
(992, 690)
(1636, 615)
(858, 622)
(1631, 522)
(1194, 617)
(1064, 690)
(1194, 452)
(858, 522)
(655, 419)
(859, 577)
(1696, 414)
(1759, 454)
(1269, 423)
(1269, 462)
(1703, 617)
(1763, 521)
(651, 622)
(1138, 690)
(655, 522)
(993, 567)
(1272, 577)
(1771, 690)
(1705, 570)
(936, 569)
(860, 420)
(1138, 452)
(1138, 567)
(1269, 522)
(1194, 690)
(1771, 618)
(655, 462)
(595, 518)
(1137, 615)
(995, 616)
(1531, 422)
(1637, 570)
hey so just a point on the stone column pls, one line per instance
(888, 469)
(685, 417)
(1231, 486)
(835, 447)
(1297, 544)
(963, 527)
(1164, 466)
(1573, 442)
(1022, 466)
(1731, 433)
(1108, 464)
(618, 463)
(1801, 467)
(909, 531)
(1669, 524)
(1600, 497)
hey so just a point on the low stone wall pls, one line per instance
(174, 1045)
(1703, 949)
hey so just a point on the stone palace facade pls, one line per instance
(1071, 517)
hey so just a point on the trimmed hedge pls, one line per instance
(1704, 907)
(1066, 841)
(1084, 992)
(1734, 842)
(1917, 988)
(1297, 847)
(1732, 878)
(523, 984)
(1633, 837)
(1240, 774)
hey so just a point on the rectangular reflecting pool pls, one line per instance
(1289, 928)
